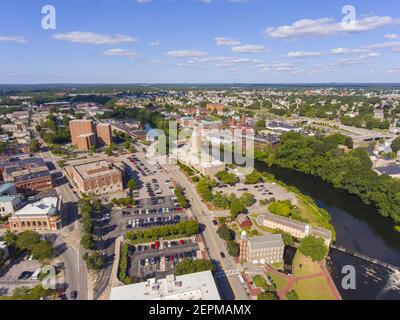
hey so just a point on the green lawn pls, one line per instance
(280, 282)
(307, 266)
(313, 289)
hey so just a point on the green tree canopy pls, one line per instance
(188, 266)
(314, 248)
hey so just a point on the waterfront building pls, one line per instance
(267, 249)
(297, 229)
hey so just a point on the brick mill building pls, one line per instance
(267, 249)
(30, 176)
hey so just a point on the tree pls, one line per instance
(314, 248)
(95, 261)
(42, 250)
(247, 199)
(225, 233)
(87, 241)
(267, 296)
(254, 177)
(10, 238)
(34, 145)
(282, 208)
(236, 207)
(132, 184)
(396, 145)
(108, 151)
(292, 295)
(188, 266)
(192, 227)
(227, 178)
(183, 203)
(27, 239)
(233, 249)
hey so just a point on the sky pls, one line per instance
(200, 41)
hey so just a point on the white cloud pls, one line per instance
(16, 39)
(249, 48)
(186, 54)
(327, 27)
(224, 41)
(121, 53)
(394, 70)
(154, 43)
(143, 1)
(93, 38)
(392, 36)
(304, 54)
(338, 51)
(384, 45)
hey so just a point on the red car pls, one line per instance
(129, 207)
(156, 244)
(182, 242)
(171, 258)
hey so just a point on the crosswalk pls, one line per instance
(226, 273)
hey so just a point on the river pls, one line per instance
(358, 227)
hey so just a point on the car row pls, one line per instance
(152, 222)
(173, 258)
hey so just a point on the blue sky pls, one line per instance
(197, 41)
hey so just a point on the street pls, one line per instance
(214, 243)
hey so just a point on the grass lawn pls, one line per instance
(313, 289)
(280, 282)
(307, 266)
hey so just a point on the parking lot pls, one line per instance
(159, 260)
(19, 274)
(153, 182)
(261, 191)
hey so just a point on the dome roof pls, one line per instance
(52, 211)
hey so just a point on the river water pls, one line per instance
(358, 227)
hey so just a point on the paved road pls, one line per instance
(214, 243)
(75, 268)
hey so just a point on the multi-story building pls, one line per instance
(85, 135)
(10, 200)
(215, 107)
(104, 135)
(194, 286)
(266, 249)
(29, 176)
(97, 177)
(43, 214)
(297, 229)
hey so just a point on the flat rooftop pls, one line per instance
(93, 169)
(45, 206)
(195, 286)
